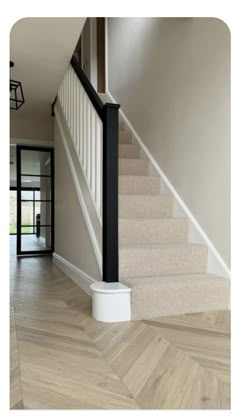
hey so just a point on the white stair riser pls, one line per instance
(153, 231)
(133, 167)
(164, 260)
(128, 151)
(139, 185)
(145, 206)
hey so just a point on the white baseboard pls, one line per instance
(216, 264)
(82, 279)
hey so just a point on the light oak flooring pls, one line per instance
(63, 359)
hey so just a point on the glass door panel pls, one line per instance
(35, 200)
(13, 209)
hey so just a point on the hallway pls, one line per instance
(62, 358)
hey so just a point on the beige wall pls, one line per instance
(32, 128)
(72, 240)
(172, 79)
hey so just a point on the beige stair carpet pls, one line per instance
(167, 274)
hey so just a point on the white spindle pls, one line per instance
(77, 118)
(98, 165)
(81, 123)
(93, 152)
(84, 132)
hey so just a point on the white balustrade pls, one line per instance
(86, 130)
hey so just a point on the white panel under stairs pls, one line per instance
(167, 274)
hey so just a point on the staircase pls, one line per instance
(167, 274)
(164, 273)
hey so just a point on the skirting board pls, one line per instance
(216, 264)
(82, 279)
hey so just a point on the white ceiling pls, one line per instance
(41, 49)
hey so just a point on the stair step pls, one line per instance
(137, 184)
(133, 166)
(128, 151)
(124, 137)
(140, 231)
(162, 259)
(156, 296)
(149, 206)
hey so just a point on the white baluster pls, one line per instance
(93, 149)
(77, 117)
(89, 143)
(85, 131)
(98, 166)
(81, 115)
(67, 98)
(75, 110)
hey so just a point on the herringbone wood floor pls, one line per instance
(62, 358)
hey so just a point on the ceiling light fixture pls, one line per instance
(16, 93)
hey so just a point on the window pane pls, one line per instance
(43, 212)
(27, 195)
(30, 182)
(33, 213)
(25, 229)
(30, 242)
(41, 184)
(35, 162)
(13, 215)
(27, 213)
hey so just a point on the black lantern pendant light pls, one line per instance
(16, 93)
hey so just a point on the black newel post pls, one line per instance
(110, 193)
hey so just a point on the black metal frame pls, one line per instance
(20, 188)
(16, 86)
(109, 114)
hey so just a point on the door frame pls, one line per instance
(19, 188)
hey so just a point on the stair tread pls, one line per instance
(157, 281)
(151, 196)
(150, 219)
(144, 177)
(161, 246)
(139, 160)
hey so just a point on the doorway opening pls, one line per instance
(32, 201)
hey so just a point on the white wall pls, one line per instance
(72, 241)
(172, 79)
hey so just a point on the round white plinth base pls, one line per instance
(111, 302)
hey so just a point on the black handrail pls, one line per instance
(109, 114)
(92, 94)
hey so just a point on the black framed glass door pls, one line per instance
(35, 200)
